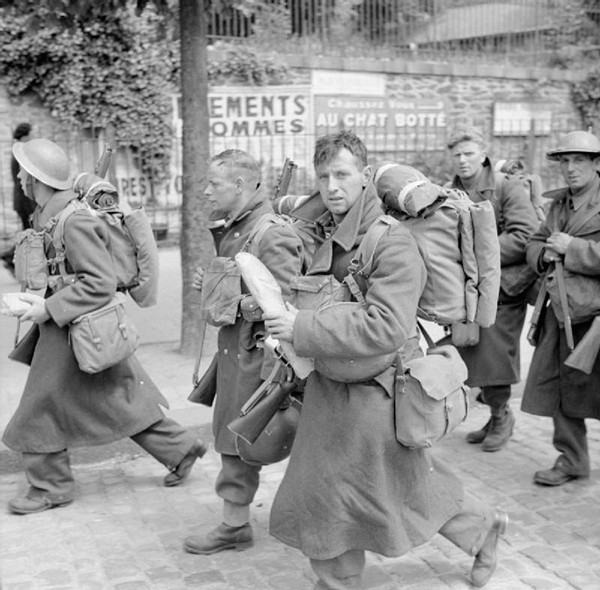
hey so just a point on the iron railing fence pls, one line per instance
(531, 32)
(422, 147)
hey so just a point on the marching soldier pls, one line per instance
(350, 486)
(492, 354)
(63, 406)
(239, 202)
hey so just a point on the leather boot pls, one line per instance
(29, 505)
(485, 561)
(221, 538)
(478, 436)
(501, 429)
(182, 471)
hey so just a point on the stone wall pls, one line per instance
(469, 94)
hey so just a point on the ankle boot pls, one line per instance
(501, 429)
(221, 538)
(486, 560)
(478, 436)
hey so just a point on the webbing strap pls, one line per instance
(56, 227)
(366, 249)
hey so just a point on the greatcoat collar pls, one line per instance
(54, 206)
(349, 231)
(485, 183)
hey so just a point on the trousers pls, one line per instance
(49, 474)
(496, 397)
(237, 483)
(570, 440)
(467, 530)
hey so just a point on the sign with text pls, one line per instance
(522, 118)
(252, 118)
(384, 124)
(336, 83)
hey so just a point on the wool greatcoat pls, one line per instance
(495, 360)
(550, 383)
(61, 405)
(349, 484)
(242, 364)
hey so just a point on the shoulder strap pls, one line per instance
(256, 235)
(56, 227)
(366, 251)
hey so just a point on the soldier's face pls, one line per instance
(222, 191)
(341, 181)
(467, 159)
(578, 170)
(26, 183)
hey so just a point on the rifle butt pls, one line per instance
(584, 355)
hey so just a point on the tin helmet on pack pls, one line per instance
(45, 161)
(580, 142)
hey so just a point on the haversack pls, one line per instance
(103, 337)
(430, 397)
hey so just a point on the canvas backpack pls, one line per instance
(131, 245)
(222, 283)
(532, 182)
(457, 240)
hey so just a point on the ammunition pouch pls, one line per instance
(250, 310)
(221, 292)
(31, 264)
(320, 291)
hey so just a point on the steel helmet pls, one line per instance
(274, 444)
(576, 142)
(45, 161)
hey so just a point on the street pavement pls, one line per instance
(125, 530)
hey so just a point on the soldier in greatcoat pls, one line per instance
(570, 233)
(492, 354)
(239, 202)
(63, 406)
(350, 486)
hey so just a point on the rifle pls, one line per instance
(564, 302)
(104, 162)
(264, 403)
(283, 180)
(583, 357)
(538, 314)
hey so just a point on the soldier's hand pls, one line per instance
(281, 325)
(550, 255)
(198, 278)
(465, 334)
(37, 311)
(559, 242)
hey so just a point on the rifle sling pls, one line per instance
(564, 303)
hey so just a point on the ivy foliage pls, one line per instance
(586, 97)
(107, 71)
(242, 65)
(119, 69)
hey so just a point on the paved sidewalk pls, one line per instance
(125, 530)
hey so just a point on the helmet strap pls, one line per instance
(28, 188)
